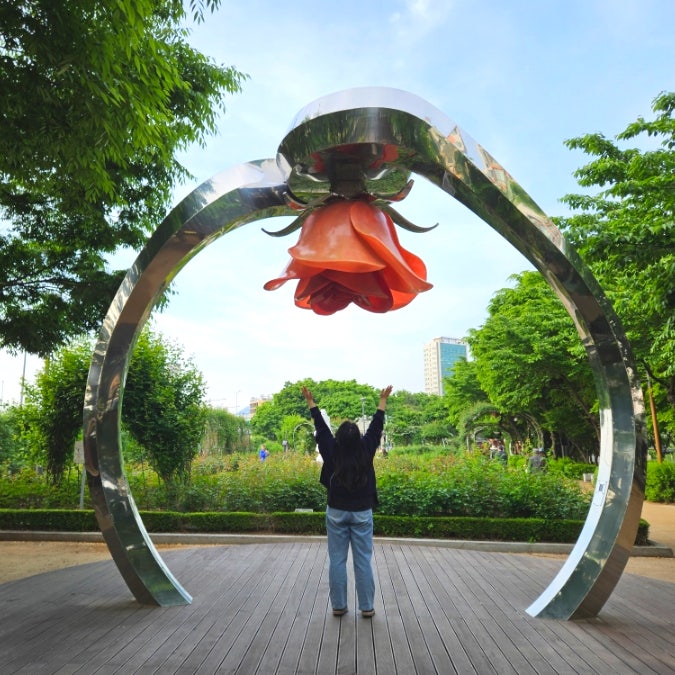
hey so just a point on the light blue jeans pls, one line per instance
(355, 528)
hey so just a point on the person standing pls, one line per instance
(537, 462)
(349, 477)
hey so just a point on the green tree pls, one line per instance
(341, 400)
(164, 406)
(626, 233)
(417, 417)
(404, 424)
(299, 432)
(482, 419)
(462, 390)
(529, 359)
(53, 410)
(14, 449)
(225, 433)
(267, 421)
(436, 433)
(407, 413)
(97, 99)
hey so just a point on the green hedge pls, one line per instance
(481, 529)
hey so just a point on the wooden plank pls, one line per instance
(381, 635)
(275, 627)
(582, 657)
(233, 644)
(61, 608)
(149, 651)
(264, 608)
(227, 614)
(411, 573)
(427, 581)
(493, 595)
(298, 633)
(401, 652)
(308, 660)
(419, 652)
(476, 630)
(228, 571)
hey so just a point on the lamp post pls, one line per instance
(363, 414)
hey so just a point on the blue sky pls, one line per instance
(520, 77)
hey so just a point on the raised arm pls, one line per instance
(384, 395)
(308, 397)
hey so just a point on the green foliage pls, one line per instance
(478, 529)
(225, 433)
(98, 99)
(411, 418)
(496, 529)
(660, 482)
(165, 399)
(27, 489)
(567, 467)
(164, 408)
(463, 390)
(626, 233)
(342, 400)
(49, 520)
(480, 419)
(299, 432)
(14, 450)
(54, 406)
(436, 495)
(531, 363)
(267, 420)
(409, 483)
(472, 485)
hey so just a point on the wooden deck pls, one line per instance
(262, 608)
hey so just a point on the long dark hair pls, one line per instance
(351, 462)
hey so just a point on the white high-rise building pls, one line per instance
(440, 356)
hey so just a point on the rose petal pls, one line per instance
(321, 295)
(329, 241)
(325, 294)
(378, 229)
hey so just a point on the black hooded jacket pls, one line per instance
(339, 497)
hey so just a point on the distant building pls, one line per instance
(440, 356)
(254, 403)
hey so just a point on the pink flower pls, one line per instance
(349, 251)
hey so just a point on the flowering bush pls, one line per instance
(440, 485)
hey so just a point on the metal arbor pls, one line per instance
(428, 144)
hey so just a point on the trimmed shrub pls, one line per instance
(660, 482)
(568, 468)
(49, 520)
(471, 529)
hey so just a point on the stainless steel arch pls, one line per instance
(424, 142)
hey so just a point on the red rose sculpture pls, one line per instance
(349, 251)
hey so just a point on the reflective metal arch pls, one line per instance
(427, 143)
